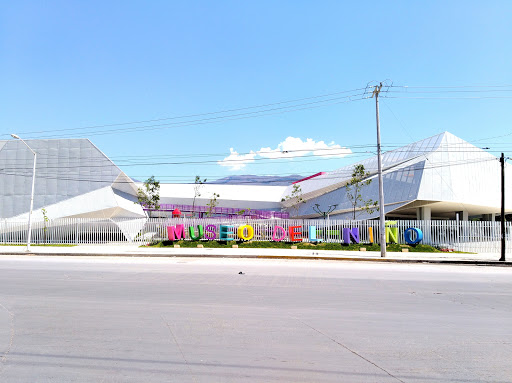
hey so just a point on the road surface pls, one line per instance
(101, 319)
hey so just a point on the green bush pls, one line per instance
(392, 247)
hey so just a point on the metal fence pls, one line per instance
(222, 211)
(462, 235)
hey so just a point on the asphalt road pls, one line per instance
(76, 319)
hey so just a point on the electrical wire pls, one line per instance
(334, 175)
(194, 115)
(231, 117)
(451, 86)
(390, 89)
(227, 162)
(125, 160)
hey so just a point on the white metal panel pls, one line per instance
(242, 196)
(66, 168)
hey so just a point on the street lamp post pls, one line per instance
(324, 214)
(29, 234)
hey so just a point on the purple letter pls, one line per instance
(349, 234)
(211, 229)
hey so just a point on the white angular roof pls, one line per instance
(391, 160)
(68, 171)
(441, 168)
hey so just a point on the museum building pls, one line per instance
(440, 177)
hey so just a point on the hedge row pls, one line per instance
(300, 245)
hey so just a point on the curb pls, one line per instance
(290, 257)
(394, 260)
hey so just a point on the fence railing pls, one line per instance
(462, 235)
(223, 211)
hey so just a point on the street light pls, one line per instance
(29, 234)
(330, 209)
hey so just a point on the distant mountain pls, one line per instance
(258, 180)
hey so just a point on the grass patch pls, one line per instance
(300, 245)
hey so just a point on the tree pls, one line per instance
(212, 204)
(295, 198)
(354, 187)
(243, 211)
(149, 195)
(197, 193)
(45, 223)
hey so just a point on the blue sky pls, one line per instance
(69, 65)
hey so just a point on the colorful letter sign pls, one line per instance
(246, 232)
(295, 234)
(224, 232)
(391, 234)
(408, 235)
(250, 232)
(194, 237)
(210, 232)
(276, 236)
(312, 235)
(350, 235)
(176, 232)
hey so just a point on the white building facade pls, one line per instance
(441, 177)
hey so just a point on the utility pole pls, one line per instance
(382, 223)
(503, 234)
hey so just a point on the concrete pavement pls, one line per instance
(133, 250)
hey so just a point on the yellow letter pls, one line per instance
(250, 232)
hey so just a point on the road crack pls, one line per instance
(349, 349)
(179, 347)
(3, 357)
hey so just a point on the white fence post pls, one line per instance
(462, 235)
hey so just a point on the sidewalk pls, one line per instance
(130, 250)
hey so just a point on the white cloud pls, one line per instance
(236, 161)
(294, 147)
(291, 147)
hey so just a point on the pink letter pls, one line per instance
(175, 232)
(275, 235)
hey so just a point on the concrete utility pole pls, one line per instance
(382, 223)
(503, 234)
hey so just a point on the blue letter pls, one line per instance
(407, 236)
(224, 232)
(312, 235)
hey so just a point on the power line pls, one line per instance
(464, 147)
(450, 98)
(280, 159)
(216, 119)
(197, 114)
(232, 117)
(449, 91)
(451, 86)
(334, 175)
(285, 109)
